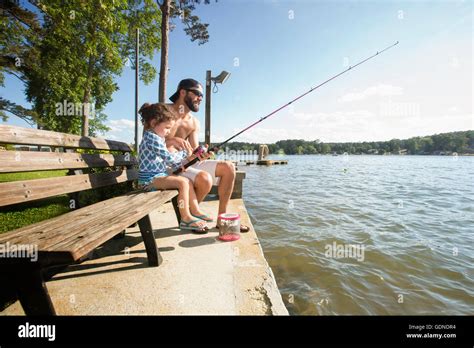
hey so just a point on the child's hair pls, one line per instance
(160, 112)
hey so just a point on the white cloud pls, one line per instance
(122, 130)
(379, 90)
(122, 123)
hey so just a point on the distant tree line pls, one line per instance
(445, 143)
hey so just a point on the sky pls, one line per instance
(276, 50)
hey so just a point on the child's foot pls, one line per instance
(202, 216)
(197, 225)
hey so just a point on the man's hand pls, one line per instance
(206, 155)
(180, 144)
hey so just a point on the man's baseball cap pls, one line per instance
(189, 85)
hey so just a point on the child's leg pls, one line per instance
(182, 184)
(194, 205)
(193, 202)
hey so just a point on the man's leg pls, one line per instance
(226, 171)
(202, 185)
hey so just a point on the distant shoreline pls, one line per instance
(370, 154)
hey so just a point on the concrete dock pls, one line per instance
(200, 275)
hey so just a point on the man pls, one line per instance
(184, 135)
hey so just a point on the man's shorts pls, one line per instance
(206, 166)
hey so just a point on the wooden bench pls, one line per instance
(70, 237)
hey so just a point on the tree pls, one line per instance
(426, 144)
(394, 145)
(325, 148)
(81, 46)
(412, 146)
(181, 9)
(20, 31)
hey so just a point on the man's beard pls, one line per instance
(189, 103)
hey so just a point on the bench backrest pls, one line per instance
(28, 161)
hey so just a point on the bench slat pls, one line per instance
(29, 190)
(55, 228)
(30, 136)
(50, 232)
(108, 228)
(82, 236)
(28, 161)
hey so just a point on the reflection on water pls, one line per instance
(412, 215)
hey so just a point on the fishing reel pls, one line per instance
(198, 152)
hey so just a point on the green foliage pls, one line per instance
(183, 9)
(6, 177)
(74, 54)
(29, 213)
(20, 35)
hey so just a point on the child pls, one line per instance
(154, 158)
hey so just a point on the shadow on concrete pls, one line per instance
(140, 262)
(171, 232)
(167, 232)
(112, 247)
(191, 243)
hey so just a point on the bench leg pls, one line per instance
(154, 257)
(32, 291)
(176, 208)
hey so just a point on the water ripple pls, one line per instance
(412, 214)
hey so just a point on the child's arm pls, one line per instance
(173, 160)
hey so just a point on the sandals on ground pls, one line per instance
(194, 226)
(204, 217)
(243, 228)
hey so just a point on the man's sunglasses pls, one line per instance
(196, 93)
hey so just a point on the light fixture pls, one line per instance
(222, 77)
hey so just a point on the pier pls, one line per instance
(200, 275)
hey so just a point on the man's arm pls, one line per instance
(193, 137)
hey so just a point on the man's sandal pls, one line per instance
(243, 228)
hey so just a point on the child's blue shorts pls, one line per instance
(146, 185)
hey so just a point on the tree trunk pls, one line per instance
(165, 29)
(86, 99)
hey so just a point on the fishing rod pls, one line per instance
(201, 149)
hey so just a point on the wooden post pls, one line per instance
(152, 252)
(262, 152)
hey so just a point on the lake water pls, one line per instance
(362, 235)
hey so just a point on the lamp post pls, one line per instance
(221, 78)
